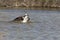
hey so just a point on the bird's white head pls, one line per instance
(26, 18)
(26, 14)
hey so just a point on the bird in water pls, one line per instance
(22, 19)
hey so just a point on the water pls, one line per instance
(46, 25)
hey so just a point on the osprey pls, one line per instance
(22, 19)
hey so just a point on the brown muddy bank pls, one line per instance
(30, 3)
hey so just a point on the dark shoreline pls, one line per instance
(32, 8)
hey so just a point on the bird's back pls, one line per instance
(18, 19)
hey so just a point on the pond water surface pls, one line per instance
(46, 25)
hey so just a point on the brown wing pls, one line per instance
(18, 19)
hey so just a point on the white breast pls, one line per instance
(25, 19)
